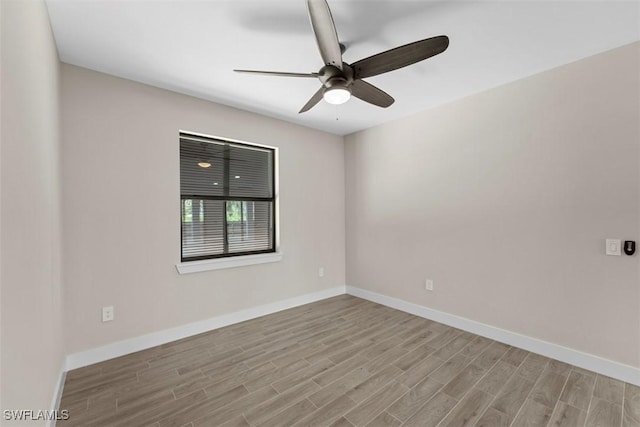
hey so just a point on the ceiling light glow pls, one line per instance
(204, 164)
(337, 95)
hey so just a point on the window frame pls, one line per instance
(233, 259)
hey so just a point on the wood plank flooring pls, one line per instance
(343, 362)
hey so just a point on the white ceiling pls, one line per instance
(192, 47)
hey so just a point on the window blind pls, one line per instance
(227, 198)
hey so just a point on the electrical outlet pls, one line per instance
(321, 272)
(428, 285)
(613, 247)
(107, 314)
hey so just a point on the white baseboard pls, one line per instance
(587, 361)
(121, 348)
(57, 394)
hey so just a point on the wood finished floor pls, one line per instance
(345, 362)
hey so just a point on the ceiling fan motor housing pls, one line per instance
(337, 82)
(331, 76)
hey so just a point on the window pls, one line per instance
(227, 198)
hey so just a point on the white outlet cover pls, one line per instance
(107, 314)
(428, 285)
(613, 247)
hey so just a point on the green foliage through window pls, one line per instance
(187, 210)
(236, 211)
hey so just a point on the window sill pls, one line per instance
(220, 263)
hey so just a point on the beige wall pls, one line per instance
(32, 351)
(122, 218)
(504, 199)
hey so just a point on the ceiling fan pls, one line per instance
(341, 80)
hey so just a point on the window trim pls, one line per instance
(227, 262)
(235, 259)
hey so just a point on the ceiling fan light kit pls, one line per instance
(337, 91)
(341, 80)
(336, 96)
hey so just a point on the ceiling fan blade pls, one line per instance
(325, 32)
(400, 57)
(371, 94)
(317, 97)
(277, 73)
